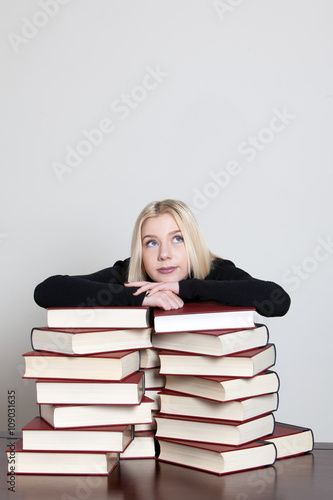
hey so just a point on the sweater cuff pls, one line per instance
(188, 289)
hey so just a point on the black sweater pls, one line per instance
(225, 284)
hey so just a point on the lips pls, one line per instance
(166, 270)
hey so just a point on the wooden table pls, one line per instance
(308, 477)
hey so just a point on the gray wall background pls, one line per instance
(106, 105)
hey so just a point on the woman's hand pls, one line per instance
(164, 300)
(163, 295)
(151, 287)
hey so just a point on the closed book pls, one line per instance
(291, 440)
(151, 426)
(60, 416)
(149, 358)
(242, 364)
(99, 317)
(215, 458)
(212, 342)
(154, 394)
(224, 388)
(142, 446)
(213, 430)
(106, 366)
(239, 410)
(153, 378)
(39, 435)
(60, 462)
(82, 341)
(196, 316)
(128, 391)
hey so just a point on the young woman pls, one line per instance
(170, 264)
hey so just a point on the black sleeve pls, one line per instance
(229, 285)
(101, 289)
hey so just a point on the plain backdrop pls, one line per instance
(226, 105)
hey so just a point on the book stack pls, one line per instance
(89, 365)
(111, 383)
(216, 410)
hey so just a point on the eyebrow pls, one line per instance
(153, 236)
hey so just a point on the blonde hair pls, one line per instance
(198, 254)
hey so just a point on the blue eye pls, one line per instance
(151, 243)
(178, 239)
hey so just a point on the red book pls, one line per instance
(224, 388)
(62, 416)
(291, 440)
(213, 342)
(22, 461)
(173, 403)
(99, 317)
(242, 364)
(203, 316)
(216, 458)
(39, 435)
(209, 430)
(106, 366)
(142, 446)
(81, 341)
(129, 391)
(153, 378)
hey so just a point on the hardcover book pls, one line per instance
(291, 440)
(243, 409)
(106, 366)
(99, 317)
(128, 391)
(81, 341)
(212, 342)
(63, 462)
(213, 430)
(39, 435)
(203, 316)
(224, 388)
(60, 416)
(142, 446)
(242, 364)
(215, 458)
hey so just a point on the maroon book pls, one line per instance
(105, 366)
(209, 430)
(39, 435)
(242, 364)
(128, 390)
(196, 316)
(216, 458)
(60, 462)
(291, 440)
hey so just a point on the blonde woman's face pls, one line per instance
(163, 250)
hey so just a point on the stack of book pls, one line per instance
(112, 383)
(89, 365)
(216, 410)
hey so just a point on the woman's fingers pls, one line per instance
(152, 287)
(143, 286)
(165, 299)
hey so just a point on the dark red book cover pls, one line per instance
(200, 308)
(38, 424)
(114, 354)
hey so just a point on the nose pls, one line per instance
(164, 252)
